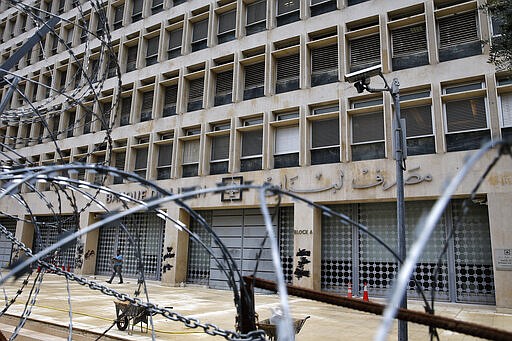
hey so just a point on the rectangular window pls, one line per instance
(364, 52)
(137, 10)
(322, 6)
(171, 97)
(87, 120)
(141, 162)
(409, 46)
(227, 21)
(324, 65)
(119, 160)
(287, 73)
(325, 141)
(256, 17)
(175, 39)
(157, 6)
(420, 136)
(106, 113)
(458, 36)
(147, 106)
(163, 168)
(223, 87)
(368, 136)
(126, 108)
(118, 17)
(355, 2)
(286, 147)
(251, 156)
(152, 51)
(466, 124)
(220, 154)
(199, 35)
(190, 158)
(71, 124)
(288, 11)
(506, 116)
(195, 94)
(131, 59)
(254, 80)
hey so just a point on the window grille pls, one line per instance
(324, 65)
(364, 52)
(126, 106)
(50, 228)
(409, 47)
(175, 38)
(131, 61)
(195, 94)
(137, 10)
(199, 35)
(141, 161)
(254, 80)
(163, 168)
(198, 269)
(171, 97)
(227, 23)
(190, 158)
(368, 136)
(147, 106)
(325, 141)
(420, 138)
(152, 51)
(287, 69)
(286, 147)
(458, 36)
(220, 154)
(256, 17)
(223, 87)
(286, 236)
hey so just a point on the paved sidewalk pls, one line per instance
(94, 311)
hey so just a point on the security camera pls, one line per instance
(363, 74)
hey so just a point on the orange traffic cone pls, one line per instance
(365, 292)
(69, 268)
(349, 292)
(39, 268)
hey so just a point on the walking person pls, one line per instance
(117, 262)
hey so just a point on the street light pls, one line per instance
(361, 80)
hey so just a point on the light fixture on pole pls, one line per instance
(361, 80)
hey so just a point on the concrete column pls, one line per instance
(90, 246)
(25, 232)
(175, 252)
(307, 246)
(500, 216)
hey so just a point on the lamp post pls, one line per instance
(361, 80)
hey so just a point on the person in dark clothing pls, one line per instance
(117, 262)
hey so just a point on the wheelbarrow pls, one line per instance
(271, 329)
(128, 313)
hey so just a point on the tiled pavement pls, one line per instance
(93, 311)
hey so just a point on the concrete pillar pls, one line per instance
(90, 245)
(25, 232)
(307, 246)
(500, 217)
(175, 252)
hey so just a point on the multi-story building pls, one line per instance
(253, 91)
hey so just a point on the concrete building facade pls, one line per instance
(252, 92)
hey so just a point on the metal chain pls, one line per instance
(190, 322)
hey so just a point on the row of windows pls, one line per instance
(466, 123)
(457, 35)
(244, 76)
